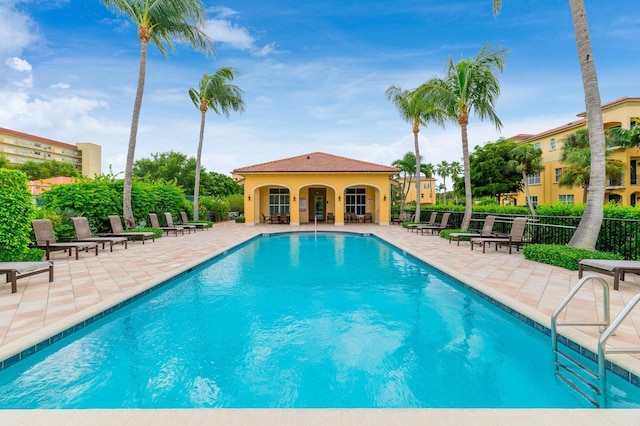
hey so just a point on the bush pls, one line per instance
(218, 211)
(563, 256)
(16, 211)
(235, 203)
(239, 219)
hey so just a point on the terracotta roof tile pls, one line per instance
(317, 162)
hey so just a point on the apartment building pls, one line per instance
(544, 187)
(20, 147)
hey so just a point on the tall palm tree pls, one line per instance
(407, 166)
(418, 109)
(160, 22)
(576, 154)
(586, 235)
(470, 86)
(527, 160)
(443, 170)
(217, 93)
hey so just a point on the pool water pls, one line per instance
(302, 321)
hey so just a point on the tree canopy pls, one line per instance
(491, 173)
(178, 168)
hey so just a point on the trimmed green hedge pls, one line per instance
(563, 256)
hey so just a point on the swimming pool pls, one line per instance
(299, 320)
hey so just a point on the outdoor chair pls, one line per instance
(515, 237)
(17, 270)
(169, 218)
(46, 239)
(485, 232)
(83, 233)
(153, 218)
(118, 231)
(330, 218)
(368, 217)
(185, 221)
(432, 221)
(436, 228)
(614, 268)
(266, 219)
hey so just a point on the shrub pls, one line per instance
(16, 211)
(94, 200)
(239, 219)
(563, 256)
(235, 203)
(218, 211)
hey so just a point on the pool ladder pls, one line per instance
(592, 385)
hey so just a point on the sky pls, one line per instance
(314, 75)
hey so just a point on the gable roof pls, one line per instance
(317, 162)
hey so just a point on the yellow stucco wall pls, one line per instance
(548, 191)
(330, 187)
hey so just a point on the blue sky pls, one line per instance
(313, 73)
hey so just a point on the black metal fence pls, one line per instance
(621, 236)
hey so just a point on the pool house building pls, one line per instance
(317, 187)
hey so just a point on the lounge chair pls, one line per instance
(432, 221)
(198, 225)
(83, 233)
(156, 224)
(118, 231)
(16, 270)
(485, 232)
(516, 237)
(169, 218)
(46, 239)
(614, 268)
(436, 228)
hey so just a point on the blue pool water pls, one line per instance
(298, 320)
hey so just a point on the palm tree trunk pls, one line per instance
(586, 235)
(527, 193)
(127, 209)
(416, 130)
(466, 220)
(196, 187)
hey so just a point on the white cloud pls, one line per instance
(222, 30)
(226, 32)
(18, 64)
(17, 30)
(60, 86)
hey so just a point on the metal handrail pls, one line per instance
(602, 350)
(554, 322)
(554, 340)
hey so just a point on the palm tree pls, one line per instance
(216, 93)
(443, 170)
(576, 154)
(160, 21)
(527, 160)
(455, 168)
(470, 86)
(628, 138)
(407, 166)
(586, 235)
(418, 109)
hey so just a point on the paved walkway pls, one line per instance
(92, 284)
